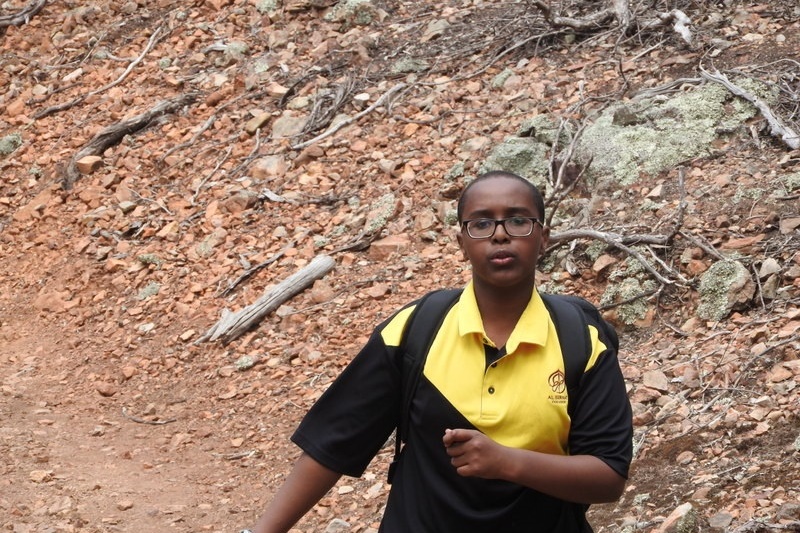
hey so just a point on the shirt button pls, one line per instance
(491, 390)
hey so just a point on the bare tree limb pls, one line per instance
(22, 17)
(114, 134)
(621, 242)
(252, 270)
(590, 22)
(777, 128)
(232, 325)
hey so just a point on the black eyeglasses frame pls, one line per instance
(500, 222)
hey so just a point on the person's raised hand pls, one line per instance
(473, 454)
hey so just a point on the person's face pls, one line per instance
(502, 261)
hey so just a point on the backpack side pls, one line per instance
(573, 336)
(418, 334)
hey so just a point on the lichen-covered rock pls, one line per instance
(652, 136)
(726, 286)
(523, 156)
(353, 12)
(10, 143)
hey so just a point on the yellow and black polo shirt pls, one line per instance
(515, 395)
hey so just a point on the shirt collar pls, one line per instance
(530, 328)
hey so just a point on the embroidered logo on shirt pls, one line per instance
(558, 385)
(557, 382)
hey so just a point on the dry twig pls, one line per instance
(66, 105)
(777, 128)
(252, 270)
(143, 421)
(21, 17)
(384, 99)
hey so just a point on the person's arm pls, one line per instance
(308, 482)
(575, 478)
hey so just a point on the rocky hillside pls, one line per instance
(163, 161)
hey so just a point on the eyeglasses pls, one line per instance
(484, 228)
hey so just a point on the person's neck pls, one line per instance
(501, 308)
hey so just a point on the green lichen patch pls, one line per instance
(353, 12)
(722, 287)
(10, 143)
(150, 259)
(522, 156)
(151, 289)
(629, 291)
(663, 134)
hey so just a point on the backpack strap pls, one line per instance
(418, 334)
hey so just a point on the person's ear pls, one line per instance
(543, 241)
(460, 240)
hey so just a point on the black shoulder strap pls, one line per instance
(420, 330)
(573, 336)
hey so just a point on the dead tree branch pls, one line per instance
(113, 134)
(590, 22)
(620, 242)
(620, 11)
(22, 17)
(232, 325)
(776, 126)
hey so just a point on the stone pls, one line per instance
(720, 520)
(603, 262)
(655, 379)
(724, 287)
(15, 108)
(124, 505)
(89, 164)
(337, 525)
(256, 123)
(287, 126)
(239, 202)
(269, 167)
(106, 389)
(768, 267)
(682, 520)
(383, 249)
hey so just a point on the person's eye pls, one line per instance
(518, 222)
(482, 224)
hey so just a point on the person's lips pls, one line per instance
(501, 258)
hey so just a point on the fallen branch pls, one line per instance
(66, 105)
(589, 22)
(22, 17)
(116, 132)
(620, 242)
(232, 325)
(237, 455)
(620, 11)
(777, 128)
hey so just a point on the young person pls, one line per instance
(490, 445)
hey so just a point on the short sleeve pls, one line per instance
(601, 422)
(354, 417)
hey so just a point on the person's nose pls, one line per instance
(500, 233)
